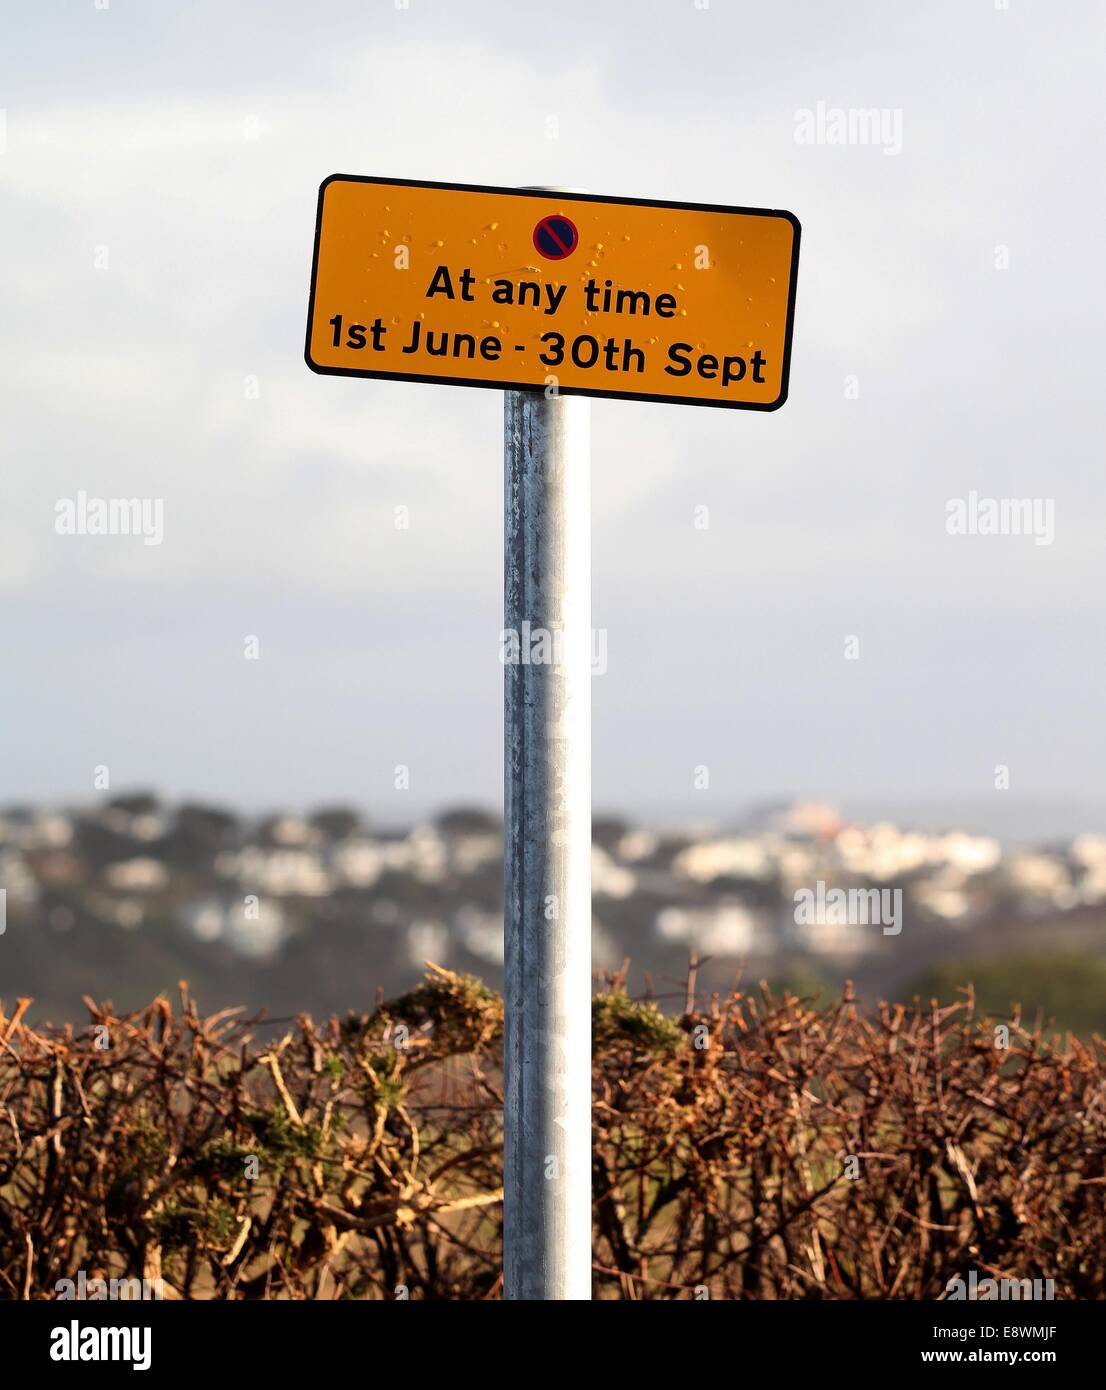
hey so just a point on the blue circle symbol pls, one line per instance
(555, 237)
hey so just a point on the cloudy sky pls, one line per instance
(158, 183)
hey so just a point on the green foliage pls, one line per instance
(384, 1086)
(179, 1226)
(282, 1140)
(803, 982)
(1069, 988)
(222, 1160)
(460, 1012)
(147, 1147)
(617, 1019)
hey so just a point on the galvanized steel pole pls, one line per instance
(547, 842)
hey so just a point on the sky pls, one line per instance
(158, 181)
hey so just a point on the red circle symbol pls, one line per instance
(556, 237)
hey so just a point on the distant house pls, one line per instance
(282, 873)
(252, 927)
(474, 850)
(830, 929)
(137, 815)
(1088, 854)
(945, 895)
(427, 941)
(356, 862)
(139, 875)
(32, 830)
(16, 880)
(286, 831)
(362, 860)
(610, 879)
(479, 933)
(736, 857)
(725, 928)
(1040, 881)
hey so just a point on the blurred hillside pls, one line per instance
(318, 912)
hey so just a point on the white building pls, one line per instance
(281, 873)
(732, 857)
(139, 875)
(609, 879)
(725, 928)
(251, 926)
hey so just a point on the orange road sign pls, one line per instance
(522, 289)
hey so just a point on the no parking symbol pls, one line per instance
(555, 237)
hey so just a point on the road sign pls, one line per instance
(523, 289)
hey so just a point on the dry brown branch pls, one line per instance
(754, 1147)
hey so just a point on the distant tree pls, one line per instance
(206, 822)
(468, 820)
(335, 822)
(802, 981)
(98, 844)
(607, 831)
(135, 803)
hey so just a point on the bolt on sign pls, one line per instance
(522, 289)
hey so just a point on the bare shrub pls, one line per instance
(755, 1148)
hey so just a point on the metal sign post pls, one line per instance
(512, 289)
(547, 843)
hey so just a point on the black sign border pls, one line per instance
(561, 390)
